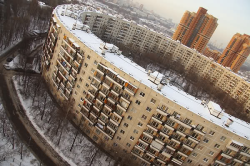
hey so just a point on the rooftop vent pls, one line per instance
(229, 122)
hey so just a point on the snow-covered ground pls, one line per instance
(10, 156)
(54, 127)
(18, 63)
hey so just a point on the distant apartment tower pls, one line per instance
(212, 53)
(196, 29)
(236, 52)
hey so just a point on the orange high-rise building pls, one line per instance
(196, 29)
(236, 52)
(212, 53)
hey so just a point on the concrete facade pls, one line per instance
(128, 118)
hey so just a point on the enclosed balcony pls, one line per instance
(126, 96)
(101, 97)
(99, 76)
(118, 90)
(160, 117)
(113, 97)
(96, 112)
(148, 157)
(92, 118)
(116, 118)
(131, 89)
(110, 104)
(137, 151)
(113, 126)
(107, 82)
(162, 110)
(123, 103)
(95, 84)
(120, 111)
(98, 104)
(104, 91)
(155, 124)
(107, 111)
(104, 118)
(101, 68)
(93, 92)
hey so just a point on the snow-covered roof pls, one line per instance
(189, 102)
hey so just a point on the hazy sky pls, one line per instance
(233, 15)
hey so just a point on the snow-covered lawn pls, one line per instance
(11, 146)
(54, 127)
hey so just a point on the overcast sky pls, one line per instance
(233, 15)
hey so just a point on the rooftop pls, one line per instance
(183, 99)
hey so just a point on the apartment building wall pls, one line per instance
(140, 114)
(236, 52)
(149, 41)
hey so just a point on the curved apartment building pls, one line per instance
(130, 112)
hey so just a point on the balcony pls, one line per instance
(108, 82)
(131, 89)
(107, 111)
(123, 103)
(96, 112)
(94, 84)
(177, 161)
(220, 162)
(162, 110)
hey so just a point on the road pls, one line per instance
(27, 133)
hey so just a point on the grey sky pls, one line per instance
(233, 15)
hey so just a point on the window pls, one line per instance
(119, 138)
(86, 65)
(140, 124)
(211, 153)
(205, 140)
(132, 138)
(194, 154)
(88, 57)
(144, 117)
(138, 102)
(205, 160)
(128, 144)
(189, 161)
(148, 109)
(125, 124)
(78, 86)
(217, 146)
(89, 78)
(81, 99)
(75, 93)
(80, 79)
(95, 62)
(223, 138)
(153, 101)
(135, 131)
(130, 117)
(87, 85)
(122, 131)
(92, 70)
(211, 132)
(142, 94)
(115, 144)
